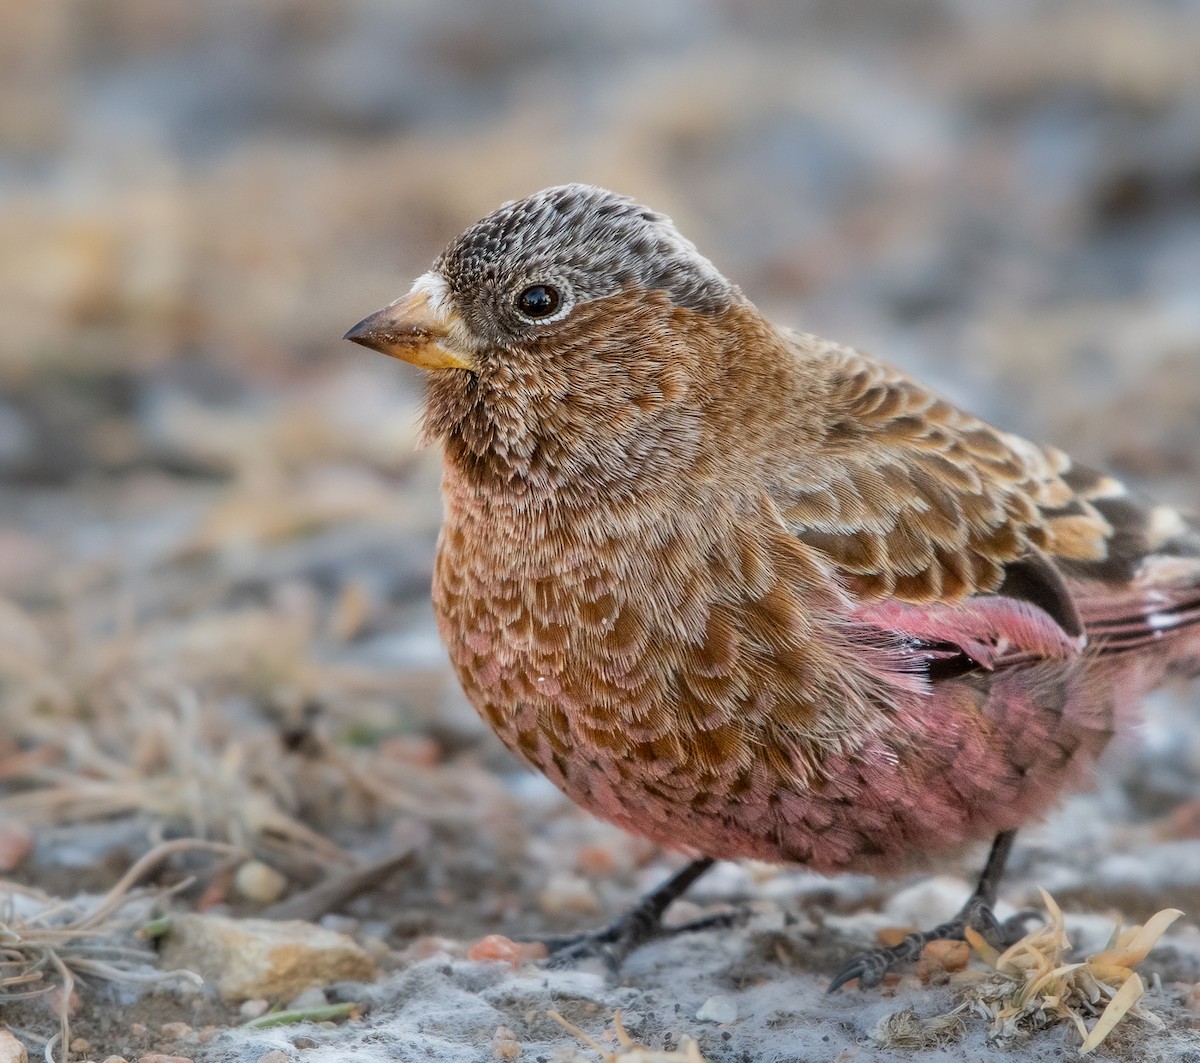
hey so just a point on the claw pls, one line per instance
(869, 967)
(847, 974)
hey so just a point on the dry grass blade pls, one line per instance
(1034, 985)
(629, 1051)
(210, 791)
(51, 948)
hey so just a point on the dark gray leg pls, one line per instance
(870, 967)
(640, 924)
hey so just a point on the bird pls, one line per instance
(750, 593)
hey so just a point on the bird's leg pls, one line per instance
(870, 967)
(636, 926)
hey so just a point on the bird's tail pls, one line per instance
(1160, 607)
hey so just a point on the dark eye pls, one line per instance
(540, 300)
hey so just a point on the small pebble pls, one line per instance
(411, 749)
(505, 950)
(16, 843)
(253, 1009)
(505, 1044)
(567, 894)
(427, 945)
(11, 1050)
(310, 998)
(176, 1031)
(889, 937)
(939, 959)
(158, 1057)
(276, 1055)
(596, 860)
(718, 1009)
(259, 882)
(340, 924)
(54, 1001)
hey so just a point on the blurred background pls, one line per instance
(215, 532)
(197, 199)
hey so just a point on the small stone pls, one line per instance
(567, 894)
(424, 752)
(496, 947)
(80, 1046)
(313, 997)
(54, 1000)
(939, 959)
(379, 949)
(276, 1055)
(505, 1044)
(16, 843)
(718, 1009)
(176, 1031)
(251, 958)
(253, 1009)
(11, 1050)
(159, 1057)
(597, 861)
(341, 924)
(425, 946)
(114, 1059)
(1183, 822)
(888, 937)
(259, 882)
(928, 902)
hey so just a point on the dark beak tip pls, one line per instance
(360, 333)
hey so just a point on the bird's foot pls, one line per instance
(636, 927)
(626, 934)
(869, 967)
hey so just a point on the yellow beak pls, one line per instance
(413, 331)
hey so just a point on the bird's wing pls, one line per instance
(974, 541)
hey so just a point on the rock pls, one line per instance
(16, 843)
(567, 894)
(496, 947)
(257, 881)
(11, 1050)
(275, 959)
(505, 1045)
(718, 1009)
(176, 1031)
(252, 1009)
(313, 997)
(928, 902)
(940, 959)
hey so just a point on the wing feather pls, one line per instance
(969, 541)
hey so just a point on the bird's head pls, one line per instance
(562, 320)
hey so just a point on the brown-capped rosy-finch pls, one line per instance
(750, 593)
